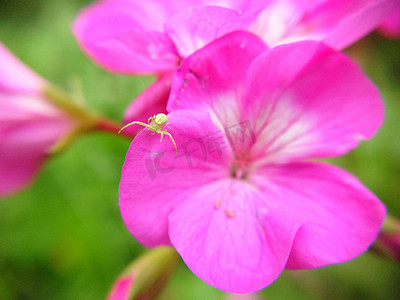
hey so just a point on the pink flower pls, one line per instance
(131, 36)
(241, 200)
(151, 37)
(391, 25)
(29, 124)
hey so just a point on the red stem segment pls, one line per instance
(113, 127)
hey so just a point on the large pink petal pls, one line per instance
(15, 76)
(306, 100)
(195, 27)
(227, 239)
(341, 217)
(155, 178)
(127, 36)
(151, 101)
(336, 22)
(213, 78)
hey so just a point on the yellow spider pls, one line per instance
(155, 124)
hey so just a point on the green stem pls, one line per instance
(63, 101)
(87, 120)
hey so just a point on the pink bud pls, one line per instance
(388, 243)
(251, 296)
(145, 277)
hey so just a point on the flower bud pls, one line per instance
(388, 242)
(145, 277)
(249, 296)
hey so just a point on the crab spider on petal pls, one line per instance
(155, 124)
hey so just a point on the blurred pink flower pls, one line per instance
(151, 37)
(241, 200)
(29, 124)
(391, 25)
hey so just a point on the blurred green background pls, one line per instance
(63, 237)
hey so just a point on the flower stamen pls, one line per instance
(229, 214)
(217, 204)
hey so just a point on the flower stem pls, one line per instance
(111, 126)
(86, 120)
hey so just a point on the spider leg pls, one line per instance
(172, 139)
(150, 119)
(162, 131)
(132, 123)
